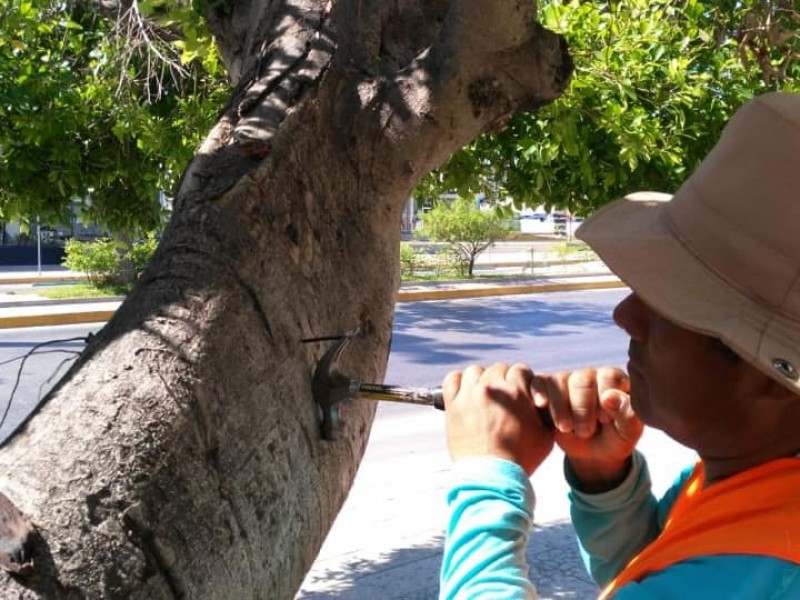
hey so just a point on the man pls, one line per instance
(714, 326)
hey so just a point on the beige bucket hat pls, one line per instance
(722, 256)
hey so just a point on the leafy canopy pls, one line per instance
(654, 83)
(112, 109)
(99, 110)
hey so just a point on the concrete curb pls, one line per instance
(64, 302)
(510, 290)
(73, 317)
(44, 278)
(62, 318)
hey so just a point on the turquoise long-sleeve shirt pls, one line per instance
(491, 512)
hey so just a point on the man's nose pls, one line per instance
(631, 315)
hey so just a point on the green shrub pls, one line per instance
(101, 260)
(408, 260)
(143, 252)
(449, 263)
(97, 259)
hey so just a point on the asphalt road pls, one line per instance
(561, 330)
(24, 382)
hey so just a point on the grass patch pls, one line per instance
(428, 277)
(80, 290)
(478, 276)
(573, 249)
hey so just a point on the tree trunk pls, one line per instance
(181, 457)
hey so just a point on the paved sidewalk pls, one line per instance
(27, 274)
(21, 307)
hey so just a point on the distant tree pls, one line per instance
(468, 229)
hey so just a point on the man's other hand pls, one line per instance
(596, 426)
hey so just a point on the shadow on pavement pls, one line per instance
(502, 316)
(403, 573)
(556, 566)
(413, 573)
(476, 327)
(427, 350)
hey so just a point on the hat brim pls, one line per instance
(636, 240)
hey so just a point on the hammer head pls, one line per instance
(329, 388)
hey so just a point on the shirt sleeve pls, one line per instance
(491, 511)
(614, 526)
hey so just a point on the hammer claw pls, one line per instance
(329, 387)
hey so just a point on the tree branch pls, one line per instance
(492, 60)
(487, 60)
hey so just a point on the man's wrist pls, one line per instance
(597, 477)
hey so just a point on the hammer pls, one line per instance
(330, 387)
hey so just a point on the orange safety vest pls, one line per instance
(754, 512)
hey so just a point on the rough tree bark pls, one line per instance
(181, 457)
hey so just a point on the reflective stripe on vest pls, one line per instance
(753, 512)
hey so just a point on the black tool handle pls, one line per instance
(437, 398)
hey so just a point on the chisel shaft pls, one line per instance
(421, 396)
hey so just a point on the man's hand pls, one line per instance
(490, 412)
(596, 426)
